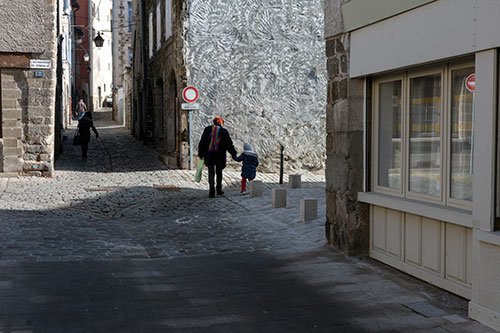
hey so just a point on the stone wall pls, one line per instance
(166, 123)
(38, 122)
(347, 227)
(14, 105)
(261, 65)
(21, 26)
(28, 106)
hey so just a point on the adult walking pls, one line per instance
(80, 109)
(215, 142)
(84, 126)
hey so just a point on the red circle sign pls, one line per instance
(470, 83)
(190, 94)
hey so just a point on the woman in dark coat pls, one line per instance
(84, 126)
(215, 142)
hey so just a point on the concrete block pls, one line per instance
(279, 197)
(255, 188)
(294, 181)
(15, 133)
(11, 113)
(10, 143)
(308, 209)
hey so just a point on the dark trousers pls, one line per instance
(211, 177)
(85, 148)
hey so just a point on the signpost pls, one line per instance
(190, 95)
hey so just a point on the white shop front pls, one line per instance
(432, 164)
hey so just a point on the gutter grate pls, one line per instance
(426, 309)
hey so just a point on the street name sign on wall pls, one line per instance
(190, 94)
(190, 106)
(470, 83)
(40, 64)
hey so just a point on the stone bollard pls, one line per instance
(294, 181)
(255, 188)
(279, 197)
(308, 209)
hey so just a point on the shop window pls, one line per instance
(461, 135)
(423, 135)
(389, 134)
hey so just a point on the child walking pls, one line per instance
(250, 161)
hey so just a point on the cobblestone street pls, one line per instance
(120, 243)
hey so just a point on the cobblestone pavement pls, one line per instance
(120, 243)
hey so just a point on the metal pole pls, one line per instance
(282, 156)
(191, 163)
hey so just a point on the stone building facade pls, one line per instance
(258, 64)
(101, 59)
(123, 24)
(159, 74)
(347, 219)
(27, 94)
(412, 145)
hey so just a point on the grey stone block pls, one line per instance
(294, 181)
(279, 197)
(308, 209)
(255, 188)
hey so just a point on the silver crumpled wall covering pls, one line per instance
(261, 64)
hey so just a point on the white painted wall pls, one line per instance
(439, 30)
(102, 59)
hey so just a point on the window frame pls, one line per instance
(375, 130)
(416, 74)
(445, 71)
(453, 202)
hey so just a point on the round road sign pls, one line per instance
(470, 83)
(190, 94)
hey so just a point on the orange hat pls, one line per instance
(219, 121)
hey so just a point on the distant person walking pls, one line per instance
(80, 109)
(84, 126)
(215, 142)
(250, 161)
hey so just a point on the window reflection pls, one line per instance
(461, 135)
(389, 149)
(425, 135)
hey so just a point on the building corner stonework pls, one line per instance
(347, 219)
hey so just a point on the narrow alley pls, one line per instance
(120, 243)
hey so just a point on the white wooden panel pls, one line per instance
(456, 252)
(431, 245)
(469, 266)
(394, 233)
(379, 228)
(413, 239)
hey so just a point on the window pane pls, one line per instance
(389, 137)
(461, 136)
(425, 135)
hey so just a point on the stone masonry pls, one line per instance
(162, 123)
(347, 227)
(28, 103)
